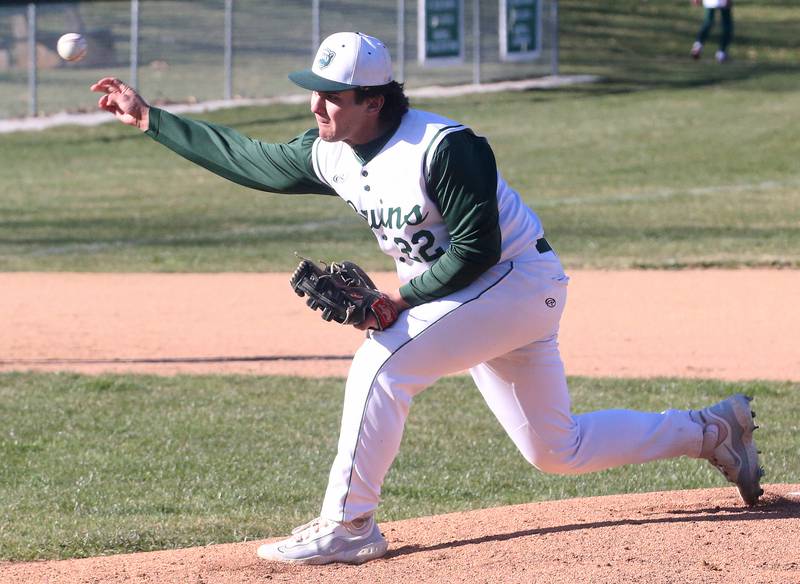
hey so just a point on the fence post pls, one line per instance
(476, 42)
(554, 51)
(134, 74)
(401, 41)
(228, 94)
(32, 72)
(314, 27)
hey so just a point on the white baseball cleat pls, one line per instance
(322, 541)
(697, 49)
(728, 444)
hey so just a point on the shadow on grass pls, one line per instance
(637, 46)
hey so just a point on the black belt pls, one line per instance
(542, 246)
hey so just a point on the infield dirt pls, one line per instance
(733, 325)
(721, 324)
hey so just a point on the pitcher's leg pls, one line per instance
(376, 405)
(393, 366)
(528, 393)
(506, 307)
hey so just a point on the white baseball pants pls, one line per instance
(504, 329)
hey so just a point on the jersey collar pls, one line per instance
(368, 151)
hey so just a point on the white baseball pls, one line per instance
(72, 46)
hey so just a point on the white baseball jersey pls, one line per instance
(389, 192)
(716, 3)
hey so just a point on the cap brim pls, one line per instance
(307, 79)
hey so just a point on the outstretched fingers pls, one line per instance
(123, 101)
(108, 102)
(110, 85)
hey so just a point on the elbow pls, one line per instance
(494, 256)
(478, 260)
(486, 261)
(482, 256)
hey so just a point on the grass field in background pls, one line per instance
(666, 163)
(98, 465)
(659, 178)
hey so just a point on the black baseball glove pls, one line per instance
(343, 292)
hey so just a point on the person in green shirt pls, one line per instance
(480, 289)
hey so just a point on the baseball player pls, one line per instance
(710, 7)
(480, 289)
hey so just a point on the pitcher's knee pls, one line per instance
(564, 461)
(557, 452)
(554, 464)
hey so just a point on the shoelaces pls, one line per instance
(310, 528)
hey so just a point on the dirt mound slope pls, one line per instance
(666, 537)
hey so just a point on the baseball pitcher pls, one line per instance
(480, 289)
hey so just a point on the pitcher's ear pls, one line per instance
(375, 103)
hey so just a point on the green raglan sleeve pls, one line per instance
(276, 168)
(463, 181)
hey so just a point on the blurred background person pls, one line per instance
(725, 8)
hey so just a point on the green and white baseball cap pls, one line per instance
(347, 60)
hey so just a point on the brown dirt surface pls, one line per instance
(737, 324)
(652, 538)
(732, 325)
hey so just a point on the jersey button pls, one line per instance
(384, 238)
(364, 173)
(366, 187)
(403, 260)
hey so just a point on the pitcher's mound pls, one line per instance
(680, 536)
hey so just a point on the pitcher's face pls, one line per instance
(340, 118)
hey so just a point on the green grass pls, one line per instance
(667, 163)
(97, 465)
(660, 178)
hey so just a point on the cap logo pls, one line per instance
(326, 58)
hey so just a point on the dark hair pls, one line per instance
(395, 102)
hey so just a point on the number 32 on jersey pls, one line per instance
(420, 248)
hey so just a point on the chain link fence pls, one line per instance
(201, 50)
